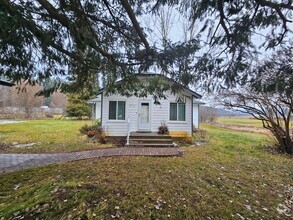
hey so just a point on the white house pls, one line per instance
(120, 115)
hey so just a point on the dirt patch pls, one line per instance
(118, 141)
(243, 128)
(4, 147)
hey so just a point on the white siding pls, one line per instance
(162, 113)
(196, 115)
(159, 114)
(119, 127)
(98, 110)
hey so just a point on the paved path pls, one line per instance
(16, 162)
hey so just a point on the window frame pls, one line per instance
(177, 109)
(116, 110)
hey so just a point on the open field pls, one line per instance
(241, 123)
(232, 176)
(49, 136)
(239, 120)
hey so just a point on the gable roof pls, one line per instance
(6, 83)
(193, 93)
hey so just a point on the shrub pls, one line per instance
(86, 128)
(91, 133)
(94, 131)
(163, 129)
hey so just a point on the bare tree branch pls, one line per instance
(135, 23)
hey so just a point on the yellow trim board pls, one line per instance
(180, 134)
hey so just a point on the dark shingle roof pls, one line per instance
(6, 83)
(196, 95)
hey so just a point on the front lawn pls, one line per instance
(231, 177)
(48, 136)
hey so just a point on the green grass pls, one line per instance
(50, 136)
(231, 175)
(239, 120)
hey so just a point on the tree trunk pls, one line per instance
(289, 146)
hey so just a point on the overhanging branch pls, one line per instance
(135, 23)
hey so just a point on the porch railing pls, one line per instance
(129, 130)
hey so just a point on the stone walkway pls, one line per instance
(16, 162)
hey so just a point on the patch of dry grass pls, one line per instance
(241, 123)
(239, 120)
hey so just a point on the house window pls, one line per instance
(117, 110)
(177, 111)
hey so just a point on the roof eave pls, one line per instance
(193, 93)
(5, 83)
(199, 103)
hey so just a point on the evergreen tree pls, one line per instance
(77, 105)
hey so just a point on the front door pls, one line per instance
(144, 121)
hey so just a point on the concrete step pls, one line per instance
(150, 136)
(149, 145)
(151, 140)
